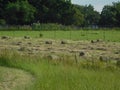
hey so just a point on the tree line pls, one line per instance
(25, 12)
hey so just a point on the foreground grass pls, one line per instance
(107, 35)
(50, 75)
(14, 79)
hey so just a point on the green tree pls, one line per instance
(91, 17)
(3, 4)
(116, 7)
(20, 12)
(2, 22)
(108, 16)
(95, 18)
(78, 17)
(53, 11)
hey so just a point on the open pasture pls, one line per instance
(106, 35)
(60, 60)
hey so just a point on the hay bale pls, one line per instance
(5, 37)
(102, 49)
(118, 59)
(53, 57)
(92, 41)
(81, 53)
(26, 37)
(63, 42)
(104, 59)
(48, 42)
(99, 40)
(29, 43)
(96, 41)
(117, 52)
(19, 43)
(22, 49)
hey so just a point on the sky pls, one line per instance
(98, 4)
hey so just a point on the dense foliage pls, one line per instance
(19, 12)
(110, 15)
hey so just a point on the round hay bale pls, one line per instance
(63, 42)
(5, 37)
(19, 43)
(22, 49)
(81, 53)
(92, 41)
(26, 37)
(29, 43)
(99, 40)
(53, 57)
(104, 58)
(48, 42)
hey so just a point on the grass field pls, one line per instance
(10, 79)
(58, 74)
(107, 35)
(63, 76)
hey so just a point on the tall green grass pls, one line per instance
(50, 75)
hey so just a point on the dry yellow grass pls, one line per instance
(110, 50)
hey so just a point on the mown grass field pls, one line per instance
(107, 35)
(62, 75)
(14, 79)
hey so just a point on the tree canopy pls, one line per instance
(19, 12)
(110, 15)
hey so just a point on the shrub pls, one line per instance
(2, 22)
(50, 26)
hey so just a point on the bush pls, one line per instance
(2, 22)
(50, 26)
